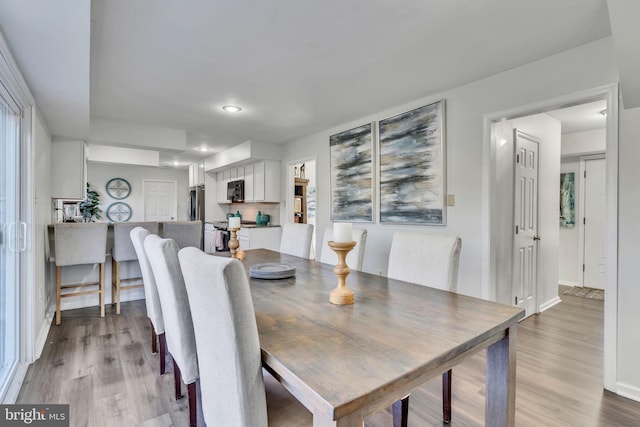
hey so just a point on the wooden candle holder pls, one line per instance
(341, 295)
(233, 242)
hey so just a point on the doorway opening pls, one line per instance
(497, 241)
(302, 195)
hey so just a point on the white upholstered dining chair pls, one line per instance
(185, 233)
(151, 298)
(354, 257)
(429, 260)
(296, 239)
(124, 251)
(232, 380)
(163, 257)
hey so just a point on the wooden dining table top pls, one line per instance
(340, 359)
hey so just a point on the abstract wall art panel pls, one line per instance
(412, 166)
(352, 174)
(567, 200)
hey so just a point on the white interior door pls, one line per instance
(160, 201)
(594, 223)
(525, 259)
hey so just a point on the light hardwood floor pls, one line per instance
(105, 369)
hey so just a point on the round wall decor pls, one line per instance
(119, 212)
(118, 188)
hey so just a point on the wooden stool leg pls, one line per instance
(193, 402)
(163, 353)
(400, 410)
(154, 339)
(178, 380)
(101, 292)
(446, 396)
(117, 296)
(58, 274)
(113, 281)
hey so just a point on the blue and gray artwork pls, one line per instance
(411, 166)
(567, 200)
(352, 175)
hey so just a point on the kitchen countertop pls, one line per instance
(224, 225)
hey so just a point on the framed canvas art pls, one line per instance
(352, 174)
(567, 200)
(412, 166)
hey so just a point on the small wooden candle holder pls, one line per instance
(341, 295)
(233, 242)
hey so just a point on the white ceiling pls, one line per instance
(295, 66)
(581, 117)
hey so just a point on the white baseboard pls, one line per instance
(547, 305)
(628, 391)
(44, 332)
(568, 283)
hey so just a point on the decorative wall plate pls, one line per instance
(118, 188)
(119, 212)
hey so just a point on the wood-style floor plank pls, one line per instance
(105, 369)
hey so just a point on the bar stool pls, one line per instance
(78, 244)
(185, 233)
(124, 251)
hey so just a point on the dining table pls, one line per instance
(345, 362)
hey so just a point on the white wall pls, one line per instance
(99, 174)
(569, 265)
(583, 143)
(42, 216)
(573, 71)
(629, 253)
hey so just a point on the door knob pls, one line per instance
(536, 237)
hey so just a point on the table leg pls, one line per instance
(351, 420)
(501, 381)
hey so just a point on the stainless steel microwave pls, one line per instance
(235, 191)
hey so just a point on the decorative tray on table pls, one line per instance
(272, 270)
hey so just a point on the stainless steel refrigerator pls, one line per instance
(196, 203)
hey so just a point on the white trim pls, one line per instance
(610, 94)
(628, 391)
(568, 283)
(15, 384)
(547, 305)
(44, 332)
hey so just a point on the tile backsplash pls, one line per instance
(249, 211)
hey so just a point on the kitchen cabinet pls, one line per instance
(266, 181)
(196, 174)
(259, 237)
(261, 181)
(68, 170)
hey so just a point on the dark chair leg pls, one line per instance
(400, 410)
(193, 410)
(446, 396)
(178, 380)
(163, 352)
(154, 339)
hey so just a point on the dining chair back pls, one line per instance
(185, 233)
(151, 298)
(124, 251)
(426, 259)
(79, 244)
(354, 257)
(231, 376)
(296, 239)
(429, 260)
(163, 257)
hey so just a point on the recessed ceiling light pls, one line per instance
(203, 149)
(231, 108)
(176, 163)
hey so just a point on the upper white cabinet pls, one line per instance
(68, 170)
(196, 174)
(261, 181)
